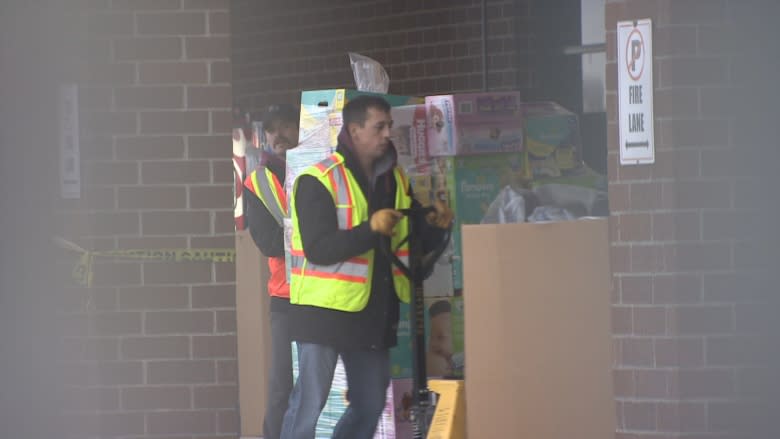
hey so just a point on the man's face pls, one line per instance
(372, 139)
(282, 136)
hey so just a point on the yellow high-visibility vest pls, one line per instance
(345, 286)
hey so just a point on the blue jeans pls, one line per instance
(280, 376)
(368, 375)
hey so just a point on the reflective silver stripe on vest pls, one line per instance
(328, 162)
(344, 205)
(296, 261)
(268, 197)
(346, 268)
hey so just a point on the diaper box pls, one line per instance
(321, 120)
(470, 184)
(552, 140)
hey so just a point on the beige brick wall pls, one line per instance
(688, 274)
(154, 353)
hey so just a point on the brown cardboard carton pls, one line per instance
(537, 331)
(254, 333)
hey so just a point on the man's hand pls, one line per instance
(442, 217)
(384, 220)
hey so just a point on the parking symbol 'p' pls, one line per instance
(636, 53)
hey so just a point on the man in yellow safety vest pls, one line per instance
(344, 291)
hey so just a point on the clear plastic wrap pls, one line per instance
(369, 74)
(550, 213)
(578, 200)
(508, 207)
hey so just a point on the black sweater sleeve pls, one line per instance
(266, 232)
(432, 236)
(323, 242)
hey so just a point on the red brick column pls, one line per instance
(687, 306)
(151, 349)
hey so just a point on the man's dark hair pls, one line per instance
(356, 110)
(280, 113)
(439, 307)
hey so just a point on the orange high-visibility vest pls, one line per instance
(264, 184)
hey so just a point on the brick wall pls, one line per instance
(690, 289)
(151, 348)
(427, 47)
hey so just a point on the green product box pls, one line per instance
(470, 184)
(401, 355)
(552, 140)
(321, 121)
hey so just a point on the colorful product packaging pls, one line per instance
(474, 123)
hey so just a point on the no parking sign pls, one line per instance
(635, 92)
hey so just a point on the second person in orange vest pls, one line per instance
(266, 207)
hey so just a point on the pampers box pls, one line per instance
(470, 184)
(552, 140)
(401, 354)
(321, 121)
(444, 337)
(474, 123)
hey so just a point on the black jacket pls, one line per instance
(323, 243)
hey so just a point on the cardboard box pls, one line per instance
(474, 123)
(537, 330)
(552, 140)
(470, 184)
(321, 120)
(253, 332)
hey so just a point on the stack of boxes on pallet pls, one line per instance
(493, 159)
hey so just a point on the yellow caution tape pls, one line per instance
(82, 272)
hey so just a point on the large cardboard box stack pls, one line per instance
(470, 184)
(537, 330)
(474, 144)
